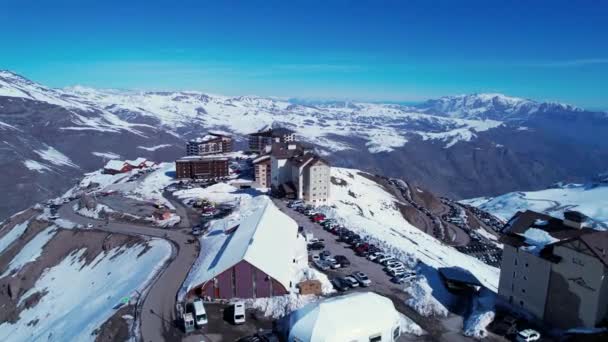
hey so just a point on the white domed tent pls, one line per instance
(362, 316)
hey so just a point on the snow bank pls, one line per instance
(93, 213)
(538, 237)
(481, 315)
(408, 326)
(218, 193)
(422, 300)
(78, 298)
(279, 306)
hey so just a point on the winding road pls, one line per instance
(158, 308)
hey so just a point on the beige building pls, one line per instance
(212, 143)
(294, 171)
(258, 141)
(555, 269)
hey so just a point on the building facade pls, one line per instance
(563, 282)
(205, 168)
(212, 143)
(261, 171)
(259, 140)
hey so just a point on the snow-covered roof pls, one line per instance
(136, 162)
(266, 238)
(114, 165)
(352, 317)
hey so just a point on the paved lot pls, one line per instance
(447, 329)
(219, 327)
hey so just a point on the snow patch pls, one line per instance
(422, 300)
(154, 148)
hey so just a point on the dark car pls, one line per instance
(267, 336)
(340, 284)
(317, 246)
(342, 260)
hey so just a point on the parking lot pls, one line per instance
(381, 284)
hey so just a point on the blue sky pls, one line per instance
(367, 50)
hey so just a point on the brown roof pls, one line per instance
(597, 241)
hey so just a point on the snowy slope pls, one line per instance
(590, 199)
(80, 297)
(365, 207)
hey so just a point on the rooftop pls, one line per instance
(200, 158)
(273, 132)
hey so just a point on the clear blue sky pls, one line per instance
(368, 50)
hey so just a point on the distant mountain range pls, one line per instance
(461, 146)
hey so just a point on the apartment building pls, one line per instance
(261, 170)
(293, 170)
(202, 167)
(212, 143)
(259, 140)
(555, 269)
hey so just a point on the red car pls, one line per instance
(318, 218)
(362, 248)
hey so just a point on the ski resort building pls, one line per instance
(260, 257)
(259, 140)
(294, 171)
(202, 167)
(555, 269)
(115, 166)
(212, 143)
(359, 316)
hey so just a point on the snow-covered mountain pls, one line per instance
(590, 199)
(492, 106)
(462, 146)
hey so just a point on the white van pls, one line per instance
(188, 322)
(239, 313)
(200, 315)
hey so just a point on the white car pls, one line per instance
(89, 225)
(362, 278)
(239, 313)
(352, 282)
(375, 256)
(528, 335)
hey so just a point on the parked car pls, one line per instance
(267, 336)
(324, 254)
(375, 256)
(197, 230)
(528, 335)
(318, 218)
(317, 246)
(89, 225)
(200, 315)
(340, 284)
(403, 278)
(239, 312)
(386, 259)
(395, 269)
(352, 282)
(333, 263)
(342, 260)
(322, 265)
(362, 278)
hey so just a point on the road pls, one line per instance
(158, 308)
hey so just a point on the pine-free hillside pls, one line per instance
(464, 147)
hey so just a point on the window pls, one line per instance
(526, 264)
(523, 290)
(515, 262)
(375, 338)
(521, 303)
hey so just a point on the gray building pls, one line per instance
(555, 269)
(259, 140)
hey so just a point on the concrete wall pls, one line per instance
(576, 296)
(524, 280)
